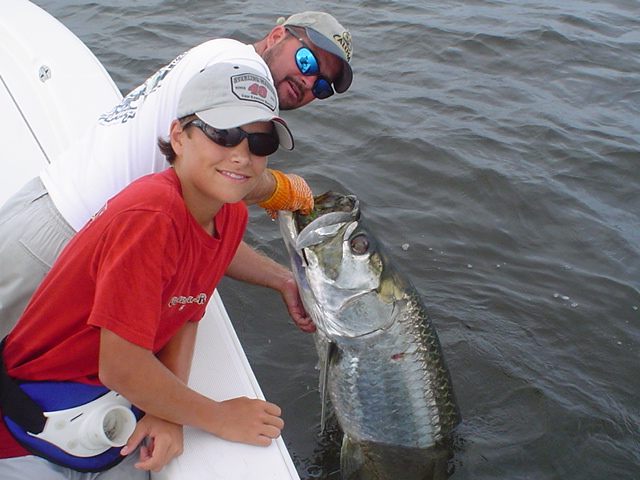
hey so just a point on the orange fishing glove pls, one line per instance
(291, 193)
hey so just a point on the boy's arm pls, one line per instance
(166, 437)
(138, 375)
(248, 265)
(177, 355)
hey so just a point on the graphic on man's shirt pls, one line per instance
(129, 105)
(254, 88)
(98, 213)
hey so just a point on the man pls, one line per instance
(306, 54)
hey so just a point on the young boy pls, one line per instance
(120, 307)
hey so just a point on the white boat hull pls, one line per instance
(51, 88)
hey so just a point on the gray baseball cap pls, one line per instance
(326, 33)
(228, 95)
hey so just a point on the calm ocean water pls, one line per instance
(495, 147)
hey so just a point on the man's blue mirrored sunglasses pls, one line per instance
(308, 65)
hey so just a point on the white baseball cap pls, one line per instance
(228, 95)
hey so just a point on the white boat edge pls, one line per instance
(51, 88)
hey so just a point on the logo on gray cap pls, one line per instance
(254, 88)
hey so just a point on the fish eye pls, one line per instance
(360, 244)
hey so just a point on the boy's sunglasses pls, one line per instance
(260, 144)
(308, 65)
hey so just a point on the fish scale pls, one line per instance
(367, 384)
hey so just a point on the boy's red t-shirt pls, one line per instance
(141, 268)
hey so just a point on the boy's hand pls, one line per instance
(249, 420)
(291, 297)
(166, 443)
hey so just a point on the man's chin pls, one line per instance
(292, 104)
(288, 101)
(288, 96)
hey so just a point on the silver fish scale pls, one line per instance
(392, 386)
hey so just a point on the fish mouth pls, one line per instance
(330, 212)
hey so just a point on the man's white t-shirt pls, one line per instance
(122, 145)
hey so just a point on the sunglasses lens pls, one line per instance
(263, 144)
(322, 89)
(225, 138)
(307, 62)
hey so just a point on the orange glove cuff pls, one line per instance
(291, 193)
(281, 194)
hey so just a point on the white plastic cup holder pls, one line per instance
(92, 428)
(108, 426)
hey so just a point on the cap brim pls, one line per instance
(343, 82)
(233, 116)
(284, 134)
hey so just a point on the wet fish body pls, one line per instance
(384, 369)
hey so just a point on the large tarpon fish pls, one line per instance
(382, 365)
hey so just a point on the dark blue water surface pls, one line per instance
(494, 146)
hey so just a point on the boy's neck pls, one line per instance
(204, 211)
(210, 228)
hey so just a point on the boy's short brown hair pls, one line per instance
(164, 144)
